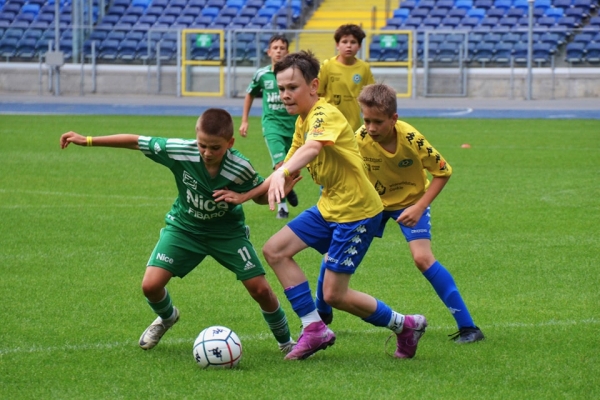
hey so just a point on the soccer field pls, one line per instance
(517, 225)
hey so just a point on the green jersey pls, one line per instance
(194, 210)
(275, 118)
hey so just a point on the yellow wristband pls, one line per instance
(285, 171)
(89, 141)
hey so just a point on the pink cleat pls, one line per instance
(407, 340)
(316, 336)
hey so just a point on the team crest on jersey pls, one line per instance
(380, 188)
(189, 181)
(405, 163)
(269, 85)
(357, 78)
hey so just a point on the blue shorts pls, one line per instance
(345, 243)
(422, 230)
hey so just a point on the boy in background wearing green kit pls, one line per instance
(277, 124)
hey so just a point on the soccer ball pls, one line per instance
(217, 347)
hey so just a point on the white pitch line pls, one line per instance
(457, 113)
(265, 336)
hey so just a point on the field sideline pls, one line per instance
(517, 225)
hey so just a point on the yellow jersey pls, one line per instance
(401, 177)
(347, 195)
(341, 84)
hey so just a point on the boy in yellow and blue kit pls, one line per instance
(342, 224)
(399, 159)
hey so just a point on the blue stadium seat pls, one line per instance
(567, 23)
(195, 3)
(412, 22)
(239, 4)
(408, 4)
(191, 11)
(148, 19)
(521, 5)
(401, 13)
(248, 11)
(172, 10)
(516, 12)
(445, 4)
(484, 52)
(468, 22)
(438, 12)
(420, 13)
(503, 4)
(466, 4)
(507, 22)
(215, 3)
(478, 13)
(431, 22)
(484, 4)
(374, 51)
(503, 53)
(210, 12)
(447, 52)
(578, 13)
(450, 23)
(395, 22)
(108, 49)
(168, 49)
(563, 4)
(575, 52)
(520, 52)
(26, 48)
(545, 22)
(127, 49)
(496, 13)
(426, 4)
(554, 12)
(592, 53)
(489, 22)
(202, 20)
(542, 53)
(457, 12)
(589, 5)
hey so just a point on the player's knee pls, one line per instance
(423, 261)
(334, 299)
(152, 290)
(271, 253)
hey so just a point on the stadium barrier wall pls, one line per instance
(29, 78)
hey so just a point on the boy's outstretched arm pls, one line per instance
(122, 140)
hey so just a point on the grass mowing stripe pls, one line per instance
(262, 337)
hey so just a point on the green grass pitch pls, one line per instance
(517, 225)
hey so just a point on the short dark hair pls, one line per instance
(282, 38)
(217, 122)
(349, 29)
(303, 61)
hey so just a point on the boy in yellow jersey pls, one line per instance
(342, 224)
(342, 77)
(398, 158)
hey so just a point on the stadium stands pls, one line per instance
(563, 27)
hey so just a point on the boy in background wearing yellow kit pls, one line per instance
(342, 77)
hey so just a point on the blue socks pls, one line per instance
(446, 289)
(301, 299)
(321, 305)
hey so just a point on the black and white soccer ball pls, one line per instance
(217, 347)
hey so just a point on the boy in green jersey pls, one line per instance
(342, 77)
(197, 226)
(277, 124)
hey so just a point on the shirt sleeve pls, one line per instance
(431, 159)
(155, 148)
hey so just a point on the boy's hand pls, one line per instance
(410, 216)
(244, 129)
(228, 196)
(276, 188)
(72, 137)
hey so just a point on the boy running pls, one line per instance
(342, 224)
(398, 158)
(197, 226)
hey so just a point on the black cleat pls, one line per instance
(326, 317)
(467, 335)
(292, 198)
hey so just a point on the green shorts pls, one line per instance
(179, 252)
(278, 146)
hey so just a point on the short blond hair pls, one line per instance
(379, 96)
